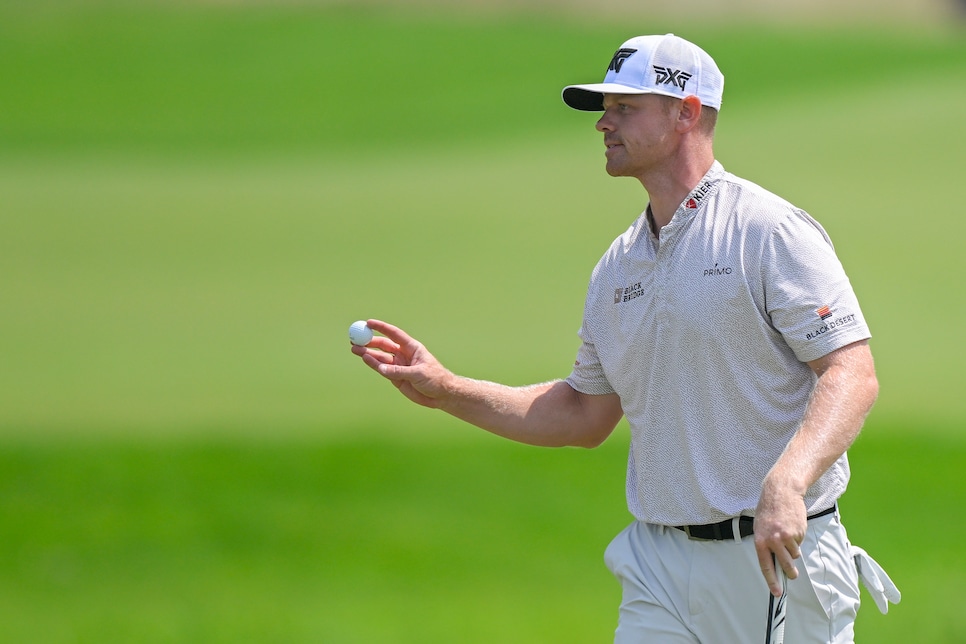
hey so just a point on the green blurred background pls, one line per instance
(196, 200)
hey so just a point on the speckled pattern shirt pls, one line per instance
(704, 333)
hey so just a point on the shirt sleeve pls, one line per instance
(588, 375)
(808, 295)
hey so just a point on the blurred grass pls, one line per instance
(195, 202)
(149, 296)
(208, 78)
(376, 540)
(305, 542)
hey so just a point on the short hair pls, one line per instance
(707, 121)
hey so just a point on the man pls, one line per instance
(722, 325)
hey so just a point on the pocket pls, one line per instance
(831, 570)
(618, 555)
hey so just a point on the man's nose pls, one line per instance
(603, 124)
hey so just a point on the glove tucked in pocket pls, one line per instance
(875, 580)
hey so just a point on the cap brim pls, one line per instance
(590, 98)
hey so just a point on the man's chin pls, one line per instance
(615, 170)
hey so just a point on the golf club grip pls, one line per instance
(775, 633)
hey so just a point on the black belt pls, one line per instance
(724, 531)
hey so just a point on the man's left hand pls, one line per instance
(780, 524)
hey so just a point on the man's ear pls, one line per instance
(689, 113)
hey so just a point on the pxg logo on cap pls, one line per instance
(668, 76)
(618, 60)
(665, 65)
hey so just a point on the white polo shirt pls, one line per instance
(704, 334)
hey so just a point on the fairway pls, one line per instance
(195, 203)
(387, 541)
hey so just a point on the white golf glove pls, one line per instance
(875, 580)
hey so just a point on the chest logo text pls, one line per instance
(628, 293)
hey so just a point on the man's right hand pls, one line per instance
(406, 363)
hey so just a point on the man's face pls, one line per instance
(638, 132)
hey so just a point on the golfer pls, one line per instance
(723, 327)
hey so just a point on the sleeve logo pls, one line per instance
(825, 313)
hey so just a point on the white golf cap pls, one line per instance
(666, 65)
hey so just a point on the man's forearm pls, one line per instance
(844, 394)
(549, 414)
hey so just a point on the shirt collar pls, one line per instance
(697, 198)
(693, 203)
(709, 182)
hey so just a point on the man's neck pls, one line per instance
(667, 191)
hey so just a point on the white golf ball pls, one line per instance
(360, 334)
